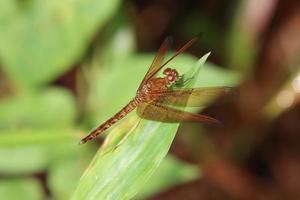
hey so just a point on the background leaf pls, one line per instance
(34, 149)
(25, 189)
(54, 107)
(56, 31)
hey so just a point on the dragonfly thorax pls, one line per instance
(171, 75)
(152, 89)
(143, 94)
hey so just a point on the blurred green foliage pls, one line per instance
(59, 30)
(41, 124)
(241, 45)
(38, 109)
(25, 188)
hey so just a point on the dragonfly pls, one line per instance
(156, 99)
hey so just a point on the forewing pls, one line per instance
(157, 61)
(162, 113)
(181, 50)
(194, 97)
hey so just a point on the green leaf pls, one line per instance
(63, 177)
(42, 39)
(241, 48)
(53, 107)
(64, 174)
(122, 172)
(170, 173)
(25, 189)
(31, 151)
(118, 40)
(212, 75)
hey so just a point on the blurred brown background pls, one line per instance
(256, 154)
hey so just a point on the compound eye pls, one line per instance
(167, 71)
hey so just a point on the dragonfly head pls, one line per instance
(171, 75)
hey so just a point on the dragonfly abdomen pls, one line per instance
(118, 116)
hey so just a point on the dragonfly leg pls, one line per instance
(126, 136)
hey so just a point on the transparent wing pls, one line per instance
(162, 113)
(157, 62)
(194, 97)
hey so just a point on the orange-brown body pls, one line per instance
(150, 91)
